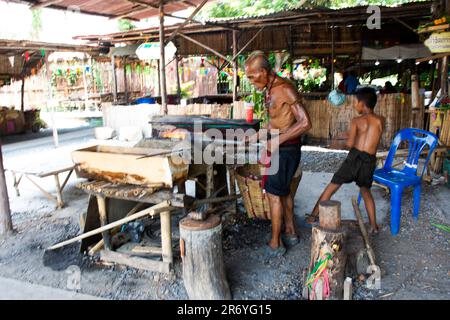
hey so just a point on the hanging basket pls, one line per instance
(256, 200)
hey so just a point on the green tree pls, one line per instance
(36, 23)
(241, 8)
(125, 25)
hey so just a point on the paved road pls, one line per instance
(46, 143)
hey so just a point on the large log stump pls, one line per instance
(201, 251)
(328, 244)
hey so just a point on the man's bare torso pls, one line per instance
(279, 106)
(369, 128)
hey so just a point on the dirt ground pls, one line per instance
(415, 264)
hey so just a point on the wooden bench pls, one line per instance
(44, 172)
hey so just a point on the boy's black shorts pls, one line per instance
(279, 184)
(359, 167)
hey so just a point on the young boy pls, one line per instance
(365, 134)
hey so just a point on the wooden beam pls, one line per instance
(235, 66)
(405, 24)
(40, 5)
(204, 46)
(114, 78)
(243, 48)
(162, 58)
(163, 206)
(433, 57)
(135, 262)
(181, 26)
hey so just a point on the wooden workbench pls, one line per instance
(102, 190)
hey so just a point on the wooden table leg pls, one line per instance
(209, 182)
(16, 182)
(166, 237)
(59, 201)
(104, 221)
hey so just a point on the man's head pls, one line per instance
(258, 69)
(366, 98)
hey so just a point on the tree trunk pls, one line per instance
(329, 238)
(5, 212)
(330, 215)
(201, 251)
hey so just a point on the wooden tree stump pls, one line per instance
(330, 215)
(329, 241)
(201, 251)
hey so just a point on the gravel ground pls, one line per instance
(414, 264)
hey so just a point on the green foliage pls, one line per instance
(36, 23)
(125, 25)
(239, 8)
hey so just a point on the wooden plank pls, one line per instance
(163, 206)
(117, 192)
(112, 165)
(166, 236)
(135, 262)
(104, 221)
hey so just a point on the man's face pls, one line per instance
(257, 76)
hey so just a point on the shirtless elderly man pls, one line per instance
(288, 117)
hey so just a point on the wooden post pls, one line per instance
(114, 78)
(415, 101)
(178, 76)
(50, 94)
(166, 237)
(348, 289)
(232, 174)
(86, 96)
(444, 76)
(5, 211)
(328, 241)
(332, 56)
(162, 59)
(125, 90)
(59, 201)
(22, 102)
(104, 221)
(201, 251)
(235, 66)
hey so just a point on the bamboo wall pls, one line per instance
(328, 121)
(331, 122)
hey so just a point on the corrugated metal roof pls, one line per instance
(298, 10)
(115, 8)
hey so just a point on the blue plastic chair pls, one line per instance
(398, 180)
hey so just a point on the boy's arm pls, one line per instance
(352, 137)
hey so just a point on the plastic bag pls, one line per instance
(336, 97)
